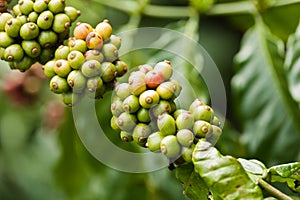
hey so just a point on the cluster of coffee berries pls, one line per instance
(33, 30)
(87, 65)
(144, 112)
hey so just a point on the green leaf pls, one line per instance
(267, 112)
(193, 185)
(224, 175)
(254, 168)
(289, 173)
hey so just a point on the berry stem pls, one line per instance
(273, 191)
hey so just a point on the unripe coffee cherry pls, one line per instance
(214, 135)
(56, 6)
(116, 107)
(47, 39)
(94, 55)
(154, 79)
(122, 90)
(32, 17)
(115, 40)
(196, 103)
(165, 68)
(76, 59)
(204, 112)
(72, 13)
(125, 136)
(79, 45)
(40, 5)
(126, 121)
(14, 53)
(4, 17)
(178, 112)
(166, 124)
(137, 85)
(143, 115)
(141, 133)
(104, 29)
(113, 124)
(216, 121)
(46, 55)
(131, 104)
(22, 18)
(29, 31)
(170, 147)
(121, 68)
(91, 68)
(187, 153)
(49, 69)
(62, 68)
(94, 41)
(82, 30)
(166, 90)
(94, 84)
(76, 81)
(162, 107)
(149, 98)
(145, 68)
(45, 20)
(26, 6)
(201, 128)
(61, 22)
(185, 137)
(153, 141)
(24, 64)
(110, 52)
(71, 99)
(32, 48)
(185, 121)
(59, 85)
(62, 52)
(178, 88)
(5, 40)
(12, 27)
(108, 71)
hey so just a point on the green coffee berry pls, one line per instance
(94, 55)
(45, 20)
(121, 68)
(154, 79)
(25, 6)
(166, 124)
(143, 115)
(201, 128)
(71, 99)
(82, 30)
(5, 40)
(170, 147)
(56, 6)
(153, 141)
(40, 5)
(32, 17)
(113, 124)
(178, 88)
(216, 121)
(104, 29)
(153, 126)
(166, 90)
(61, 22)
(72, 13)
(46, 55)
(162, 107)
(59, 85)
(178, 112)
(213, 135)
(165, 68)
(126, 121)
(94, 41)
(204, 112)
(62, 52)
(29, 31)
(76, 59)
(98, 94)
(110, 52)
(62, 68)
(63, 36)
(76, 81)
(91, 68)
(122, 90)
(16, 10)
(145, 68)
(185, 137)
(185, 121)
(148, 98)
(173, 106)
(109, 71)
(79, 45)
(22, 18)
(94, 84)
(125, 136)
(141, 133)
(131, 104)
(14, 53)
(187, 153)
(12, 27)
(49, 69)
(47, 39)
(116, 108)
(24, 64)
(32, 48)
(137, 86)
(2, 53)
(115, 40)
(195, 104)
(4, 17)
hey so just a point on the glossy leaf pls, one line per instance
(224, 175)
(254, 168)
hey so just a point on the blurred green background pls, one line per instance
(42, 157)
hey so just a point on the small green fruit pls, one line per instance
(122, 90)
(49, 69)
(137, 86)
(165, 68)
(47, 39)
(178, 88)
(32, 48)
(16, 10)
(91, 68)
(57, 6)
(216, 121)
(72, 13)
(29, 31)
(71, 99)
(170, 147)
(201, 128)
(166, 90)
(131, 104)
(121, 68)
(187, 153)
(204, 112)
(76, 59)
(109, 71)
(110, 52)
(46, 55)
(45, 20)
(166, 124)
(24, 64)
(145, 68)
(149, 98)
(113, 124)
(185, 121)
(26, 6)
(115, 40)
(59, 85)
(61, 22)
(4, 17)
(153, 141)
(104, 29)
(185, 137)
(178, 112)
(12, 27)
(125, 136)
(62, 52)
(94, 84)
(79, 45)
(196, 103)
(126, 121)
(5, 40)
(154, 79)
(94, 40)
(94, 55)
(76, 81)
(141, 133)
(13, 53)
(62, 68)
(214, 135)
(40, 5)
(143, 115)
(22, 18)
(32, 17)
(162, 107)
(116, 108)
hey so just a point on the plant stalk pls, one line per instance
(273, 191)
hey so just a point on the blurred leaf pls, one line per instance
(224, 175)
(193, 185)
(267, 126)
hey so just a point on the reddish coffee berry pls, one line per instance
(82, 30)
(154, 79)
(94, 41)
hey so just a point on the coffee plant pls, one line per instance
(150, 101)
